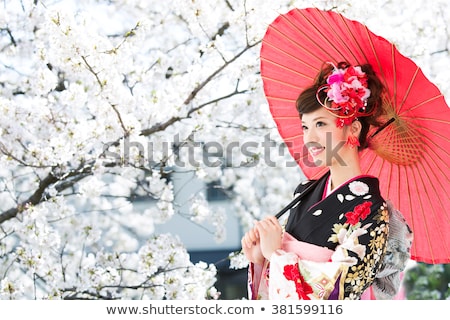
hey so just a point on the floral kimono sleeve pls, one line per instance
(350, 269)
(292, 278)
(258, 275)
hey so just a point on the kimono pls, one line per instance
(333, 244)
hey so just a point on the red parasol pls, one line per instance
(410, 156)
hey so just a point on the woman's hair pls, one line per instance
(308, 100)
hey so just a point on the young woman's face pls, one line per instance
(323, 139)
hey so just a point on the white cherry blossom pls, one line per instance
(101, 102)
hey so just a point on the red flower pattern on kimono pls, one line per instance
(360, 212)
(292, 273)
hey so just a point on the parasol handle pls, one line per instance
(383, 127)
(297, 199)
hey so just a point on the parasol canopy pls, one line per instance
(410, 156)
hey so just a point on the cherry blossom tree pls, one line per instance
(101, 101)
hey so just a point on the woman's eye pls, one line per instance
(320, 124)
(304, 128)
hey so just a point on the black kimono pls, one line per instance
(333, 244)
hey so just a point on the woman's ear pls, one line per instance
(355, 128)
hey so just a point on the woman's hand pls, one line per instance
(270, 233)
(251, 247)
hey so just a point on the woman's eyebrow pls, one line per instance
(315, 119)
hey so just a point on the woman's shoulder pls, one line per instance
(319, 183)
(303, 185)
(359, 190)
(362, 185)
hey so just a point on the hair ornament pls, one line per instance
(347, 94)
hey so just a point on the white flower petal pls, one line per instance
(358, 188)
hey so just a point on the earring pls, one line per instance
(352, 141)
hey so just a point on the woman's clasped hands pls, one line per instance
(262, 240)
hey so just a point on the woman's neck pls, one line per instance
(340, 174)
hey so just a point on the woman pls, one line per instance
(334, 241)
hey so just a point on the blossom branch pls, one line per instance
(51, 179)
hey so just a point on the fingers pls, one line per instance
(269, 224)
(272, 219)
(262, 240)
(250, 239)
(270, 232)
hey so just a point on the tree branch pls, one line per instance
(34, 199)
(69, 180)
(208, 79)
(162, 126)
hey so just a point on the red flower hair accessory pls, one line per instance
(347, 90)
